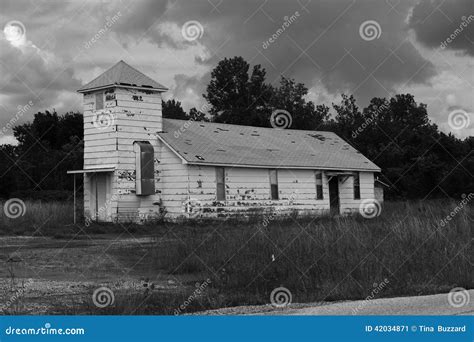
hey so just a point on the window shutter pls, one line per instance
(220, 184)
(144, 168)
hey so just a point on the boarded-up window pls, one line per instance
(356, 186)
(274, 184)
(144, 168)
(220, 181)
(99, 101)
(319, 185)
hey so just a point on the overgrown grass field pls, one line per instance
(316, 259)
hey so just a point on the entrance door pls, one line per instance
(334, 195)
(99, 196)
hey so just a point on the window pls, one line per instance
(356, 186)
(144, 168)
(274, 184)
(319, 185)
(220, 181)
(99, 101)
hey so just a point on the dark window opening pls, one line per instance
(319, 185)
(356, 186)
(99, 101)
(220, 181)
(274, 184)
(144, 168)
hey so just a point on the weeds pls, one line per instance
(317, 259)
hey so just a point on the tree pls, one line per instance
(290, 96)
(47, 147)
(197, 115)
(172, 109)
(235, 96)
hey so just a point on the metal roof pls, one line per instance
(207, 143)
(122, 74)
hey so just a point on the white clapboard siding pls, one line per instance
(346, 192)
(144, 98)
(248, 191)
(133, 119)
(174, 182)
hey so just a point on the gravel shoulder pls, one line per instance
(420, 305)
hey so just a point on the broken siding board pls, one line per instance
(131, 91)
(123, 111)
(140, 98)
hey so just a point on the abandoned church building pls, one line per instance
(138, 165)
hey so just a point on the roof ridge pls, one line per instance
(114, 74)
(259, 127)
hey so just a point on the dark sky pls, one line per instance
(48, 49)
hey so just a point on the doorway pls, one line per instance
(334, 195)
(99, 188)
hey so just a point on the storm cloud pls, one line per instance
(320, 43)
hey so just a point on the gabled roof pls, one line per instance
(205, 143)
(124, 75)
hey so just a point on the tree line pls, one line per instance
(416, 158)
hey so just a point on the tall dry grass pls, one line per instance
(328, 258)
(407, 247)
(37, 217)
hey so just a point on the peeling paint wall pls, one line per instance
(346, 192)
(248, 192)
(134, 115)
(174, 182)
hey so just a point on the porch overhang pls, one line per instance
(105, 168)
(92, 170)
(343, 174)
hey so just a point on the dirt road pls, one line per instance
(421, 305)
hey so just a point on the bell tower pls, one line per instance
(122, 114)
